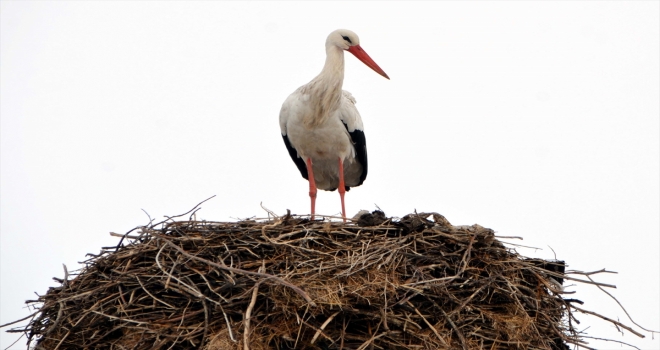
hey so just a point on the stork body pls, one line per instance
(321, 126)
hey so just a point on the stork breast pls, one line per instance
(327, 141)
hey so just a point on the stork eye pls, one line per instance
(347, 39)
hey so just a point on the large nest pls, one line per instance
(379, 283)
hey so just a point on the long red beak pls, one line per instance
(358, 52)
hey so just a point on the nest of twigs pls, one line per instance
(379, 283)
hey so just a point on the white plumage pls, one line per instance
(321, 126)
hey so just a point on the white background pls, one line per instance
(537, 119)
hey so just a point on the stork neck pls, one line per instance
(325, 89)
(333, 70)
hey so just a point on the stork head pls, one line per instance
(349, 41)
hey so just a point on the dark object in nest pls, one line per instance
(372, 219)
(414, 283)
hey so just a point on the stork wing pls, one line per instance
(353, 122)
(300, 163)
(288, 107)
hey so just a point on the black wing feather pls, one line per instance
(300, 163)
(360, 144)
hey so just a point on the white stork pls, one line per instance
(321, 127)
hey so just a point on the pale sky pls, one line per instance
(537, 119)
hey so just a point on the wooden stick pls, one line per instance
(248, 313)
(244, 272)
(609, 319)
(320, 330)
(429, 324)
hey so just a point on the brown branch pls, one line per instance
(320, 330)
(428, 324)
(248, 313)
(609, 320)
(243, 272)
(622, 308)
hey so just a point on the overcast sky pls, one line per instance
(537, 119)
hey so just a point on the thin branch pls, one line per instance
(320, 330)
(248, 313)
(243, 272)
(609, 320)
(623, 308)
(428, 324)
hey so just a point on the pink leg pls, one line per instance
(342, 188)
(312, 185)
